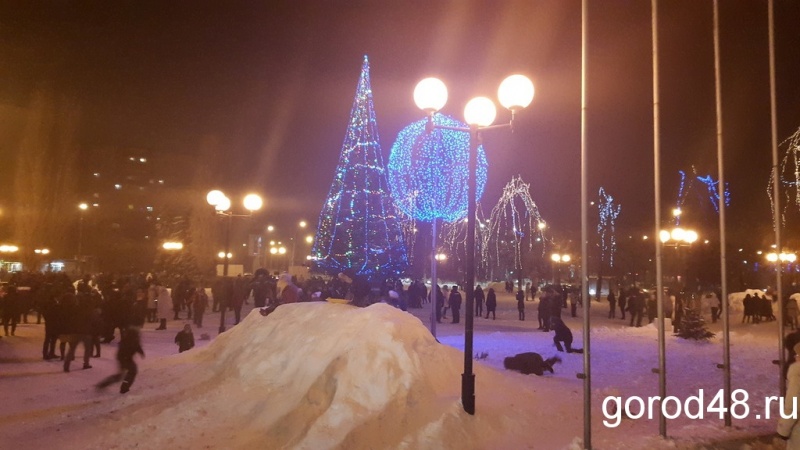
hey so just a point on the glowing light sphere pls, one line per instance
(480, 111)
(428, 171)
(253, 202)
(214, 197)
(515, 92)
(430, 95)
(223, 204)
(677, 234)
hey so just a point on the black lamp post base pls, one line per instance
(468, 392)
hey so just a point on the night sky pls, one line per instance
(274, 83)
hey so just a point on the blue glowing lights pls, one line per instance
(428, 171)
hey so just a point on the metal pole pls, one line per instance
(434, 281)
(776, 191)
(726, 344)
(662, 354)
(80, 243)
(223, 305)
(587, 360)
(468, 378)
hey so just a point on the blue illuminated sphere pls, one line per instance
(428, 171)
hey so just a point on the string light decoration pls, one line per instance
(453, 235)
(428, 170)
(358, 225)
(606, 227)
(514, 218)
(686, 185)
(789, 176)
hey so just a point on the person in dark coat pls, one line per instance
(52, 327)
(530, 363)
(543, 311)
(652, 307)
(521, 304)
(479, 299)
(237, 290)
(455, 304)
(200, 302)
(439, 302)
(563, 334)
(491, 303)
(139, 309)
(261, 289)
(185, 339)
(623, 302)
(636, 307)
(129, 345)
(10, 309)
(77, 329)
(612, 305)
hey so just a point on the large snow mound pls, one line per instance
(319, 375)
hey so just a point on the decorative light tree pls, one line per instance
(606, 228)
(514, 218)
(358, 226)
(685, 187)
(789, 177)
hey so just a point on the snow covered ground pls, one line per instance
(320, 375)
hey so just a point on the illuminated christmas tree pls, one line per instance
(358, 226)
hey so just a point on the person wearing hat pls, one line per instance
(787, 422)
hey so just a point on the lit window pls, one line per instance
(160, 181)
(143, 160)
(132, 158)
(96, 174)
(117, 186)
(149, 209)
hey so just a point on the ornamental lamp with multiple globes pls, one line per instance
(430, 95)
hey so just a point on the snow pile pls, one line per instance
(318, 375)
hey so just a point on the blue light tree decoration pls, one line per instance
(358, 226)
(685, 188)
(428, 171)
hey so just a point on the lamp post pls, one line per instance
(222, 206)
(678, 237)
(430, 95)
(559, 258)
(277, 251)
(82, 207)
(301, 225)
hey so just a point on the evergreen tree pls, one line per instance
(693, 326)
(358, 226)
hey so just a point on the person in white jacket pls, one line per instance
(164, 306)
(788, 428)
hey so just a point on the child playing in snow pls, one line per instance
(185, 339)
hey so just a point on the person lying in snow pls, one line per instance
(563, 334)
(530, 362)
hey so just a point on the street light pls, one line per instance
(172, 245)
(301, 225)
(559, 258)
(82, 207)
(784, 257)
(222, 205)
(430, 95)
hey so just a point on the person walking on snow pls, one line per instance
(129, 345)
